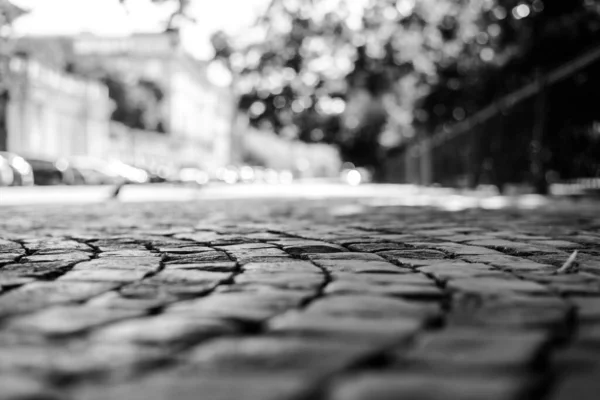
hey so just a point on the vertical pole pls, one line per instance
(538, 171)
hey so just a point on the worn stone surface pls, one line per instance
(294, 299)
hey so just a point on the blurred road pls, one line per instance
(388, 194)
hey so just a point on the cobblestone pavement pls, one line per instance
(319, 300)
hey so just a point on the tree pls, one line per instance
(518, 42)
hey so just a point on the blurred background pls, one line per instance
(499, 95)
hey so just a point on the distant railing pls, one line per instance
(427, 159)
(512, 99)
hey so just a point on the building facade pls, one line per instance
(53, 114)
(195, 115)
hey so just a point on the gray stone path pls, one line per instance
(278, 300)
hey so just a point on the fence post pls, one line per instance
(538, 171)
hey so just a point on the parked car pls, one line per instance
(47, 171)
(22, 171)
(95, 171)
(7, 175)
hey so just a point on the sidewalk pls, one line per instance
(290, 298)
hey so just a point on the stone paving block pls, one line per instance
(406, 278)
(408, 290)
(19, 387)
(37, 295)
(380, 332)
(147, 264)
(358, 266)
(82, 360)
(494, 285)
(246, 247)
(69, 257)
(35, 270)
(6, 258)
(471, 349)
(291, 266)
(190, 276)
(164, 330)
(424, 386)
(220, 266)
(272, 386)
(116, 299)
(41, 245)
(104, 275)
(251, 307)
(8, 246)
(311, 246)
(273, 354)
(512, 311)
(585, 386)
(559, 244)
(445, 271)
(68, 320)
(457, 249)
(184, 249)
(512, 247)
(510, 263)
(374, 247)
(371, 307)
(284, 280)
(207, 256)
(586, 308)
(345, 256)
(10, 281)
(128, 253)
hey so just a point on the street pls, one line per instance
(303, 292)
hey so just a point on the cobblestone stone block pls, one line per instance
(116, 299)
(69, 257)
(376, 331)
(493, 285)
(304, 247)
(104, 275)
(423, 386)
(358, 266)
(284, 280)
(207, 256)
(374, 247)
(292, 266)
(413, 291)
(68, 320)
(34, 270)
(164, 330)
(445, 271)
(272, 354)
(146, 264)
(469, 350)
(221, 266)
(371, 307)
(38, 295)
(271, 386)
(251, 307)
(19, 387)
(345, 256)
(458, 249)
(510, 263)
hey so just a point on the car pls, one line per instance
(22, 171)
(7, 175)
(45, 172)
(95, 171)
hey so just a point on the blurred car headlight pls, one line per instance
(21, 165)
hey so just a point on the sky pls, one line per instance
(109, 17)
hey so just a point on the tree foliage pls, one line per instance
(373, 74)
